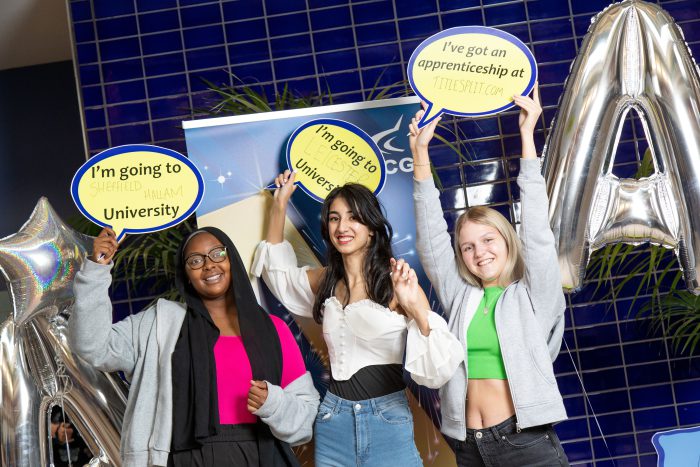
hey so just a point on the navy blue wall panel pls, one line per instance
(141, 65)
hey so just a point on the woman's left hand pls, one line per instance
(409, 294)
(530, 111)
(257, 395)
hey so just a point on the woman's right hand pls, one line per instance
(419, 138)
(104, 246)
(285, 187)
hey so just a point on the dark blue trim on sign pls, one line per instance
(656, 442)
(127, 148)
(350, 127)
(472, 30)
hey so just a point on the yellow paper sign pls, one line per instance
(470, 71)
(327, 153)
(137, 188)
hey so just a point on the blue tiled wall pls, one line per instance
(140, 65)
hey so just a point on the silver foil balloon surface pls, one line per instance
(38, 369)
(633, 58)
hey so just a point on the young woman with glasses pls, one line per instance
(214, 381)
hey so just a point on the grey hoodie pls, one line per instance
(529, 315)
(141, 346)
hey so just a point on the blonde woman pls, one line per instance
(505, 304)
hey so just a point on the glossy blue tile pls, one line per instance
(652, 373)
(161, 43)
(336, 61)
(330, 18)
(453, 198)
(95, 118)
(206, 58)
(547, 9)
(122, 70)
(80, 11)
(611, 401)
(89, 74)
(572, 429)
(555, 51)
(130, 134)
(442, 155)
(373, 12)
(164, 64)
(552, 29)
(120, 48)
(167, 129)
(484, 172)
(687, 391)
(177, 145)
(84, 32)
(124, 92)
(107, 8)
(504, 14)
(87, 53)
(325, 3)
(159, 21)
(655, 419)
(171, 107)
(447, 5)
(116, 27)
(376, 33)
(593, 314)
(97, 139)
(242, 9)
(553, 73)
(379, 55)
(203, 37)
(485, 149)
(333, 40)
(487, 194)
(293, 67)
(245, 30)
(92, 96)
(406, 8)
(249, 52)
(288, 24)
(613, 423)
(603, 357)
(167, 86)
(198, 79)
(462, 18)
(578, 451)
(614, 446)
(418, 27)
(253, 72)
(602, 380)
(581, 24)
(689, 414)
(588, 6)
(127, 113)
(150, 5)
(642, 352)
(450, 177)
(274, 7)
(386, 76)
(201, 15)
(291, 46)
(651, 396)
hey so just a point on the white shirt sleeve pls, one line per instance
(433, 359)
(277, 265)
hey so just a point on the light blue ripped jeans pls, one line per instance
(372, 432)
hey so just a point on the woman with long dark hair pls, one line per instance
(505, 303)
(373, 314)
(215, 381)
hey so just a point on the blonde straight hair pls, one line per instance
(514, 267)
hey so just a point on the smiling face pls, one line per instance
(212, 280)
(347, 234)
(484, 251)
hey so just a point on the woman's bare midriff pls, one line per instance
(488, 402)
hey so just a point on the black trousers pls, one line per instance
(502, 446)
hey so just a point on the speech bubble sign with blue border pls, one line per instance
(137, 189)
(470, 71)
(327, 153)
(677, 448)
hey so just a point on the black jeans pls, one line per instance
(502, 446)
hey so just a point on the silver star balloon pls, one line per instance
(37, 367)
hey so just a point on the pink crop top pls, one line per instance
(233, 373)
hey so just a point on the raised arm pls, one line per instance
(276, 262)
(106, 346)
(542, 275)
(433, 242)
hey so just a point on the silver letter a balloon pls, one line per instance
(37, 367)
(633, 57)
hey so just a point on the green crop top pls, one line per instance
(484, 358)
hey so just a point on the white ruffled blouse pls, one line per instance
(363, 333)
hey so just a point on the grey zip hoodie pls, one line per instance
(141, 346)
(529, 314)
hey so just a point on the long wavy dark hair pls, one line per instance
(366, 208)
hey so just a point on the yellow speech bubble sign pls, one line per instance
(470, 71)
(326, 153)
(137, 189)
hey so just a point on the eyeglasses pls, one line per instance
(197, 260)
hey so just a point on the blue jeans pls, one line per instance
(503, 446)
(372, 432)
